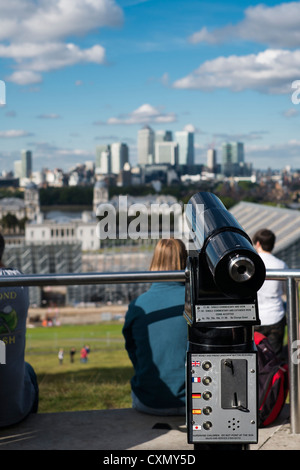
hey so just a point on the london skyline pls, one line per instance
(84, 73)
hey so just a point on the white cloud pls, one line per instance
(292, 112)
(33, 33)
(189, 128)
(13, 133)
(34, 59)
(11, 114)
(50, 20)
(45, 153)
(239, 137)
(49, 116)
(271, 71)
(145, 114)
(276, 26)
(262, 155)
(24, 77)
(75, 152)
(50, 56)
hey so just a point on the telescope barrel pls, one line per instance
(236, 267)
(206, 215)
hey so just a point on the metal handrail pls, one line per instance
(290, 276)
(120, 277)
(92, 278)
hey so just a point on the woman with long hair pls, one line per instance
(155, 333)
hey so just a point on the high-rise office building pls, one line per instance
(232, 158)
(103, 159)
(166, 152)
(119, 156)
(26, 159)
(18, 168)
(212, 159)
(237, 152)
(145, 145)
(163, 136)
(185, 140)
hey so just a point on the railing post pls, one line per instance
(293, 342)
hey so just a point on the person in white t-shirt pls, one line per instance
(270, 303)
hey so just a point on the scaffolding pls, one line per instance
(43, 259)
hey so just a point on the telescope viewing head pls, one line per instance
(221, 243)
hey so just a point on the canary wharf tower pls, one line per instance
(145, 144)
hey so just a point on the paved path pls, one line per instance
(123, 429)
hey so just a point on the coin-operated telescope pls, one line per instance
(223, 275)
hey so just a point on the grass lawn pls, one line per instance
(101, 383)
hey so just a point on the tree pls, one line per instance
(10, 222)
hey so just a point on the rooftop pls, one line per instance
(285, 223)
(12, 203)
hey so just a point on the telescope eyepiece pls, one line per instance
(241, 268)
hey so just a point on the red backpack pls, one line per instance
(273, 381)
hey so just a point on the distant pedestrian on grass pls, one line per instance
(72, 354)
(83, 355)
(61, 356)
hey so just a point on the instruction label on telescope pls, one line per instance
(226, 312)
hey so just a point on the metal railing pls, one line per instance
(290, 276)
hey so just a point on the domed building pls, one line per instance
(26, 208)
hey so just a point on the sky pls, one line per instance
(82, 73)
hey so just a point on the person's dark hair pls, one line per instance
(2, 246)
(266, 238)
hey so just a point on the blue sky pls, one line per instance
(81, 73)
